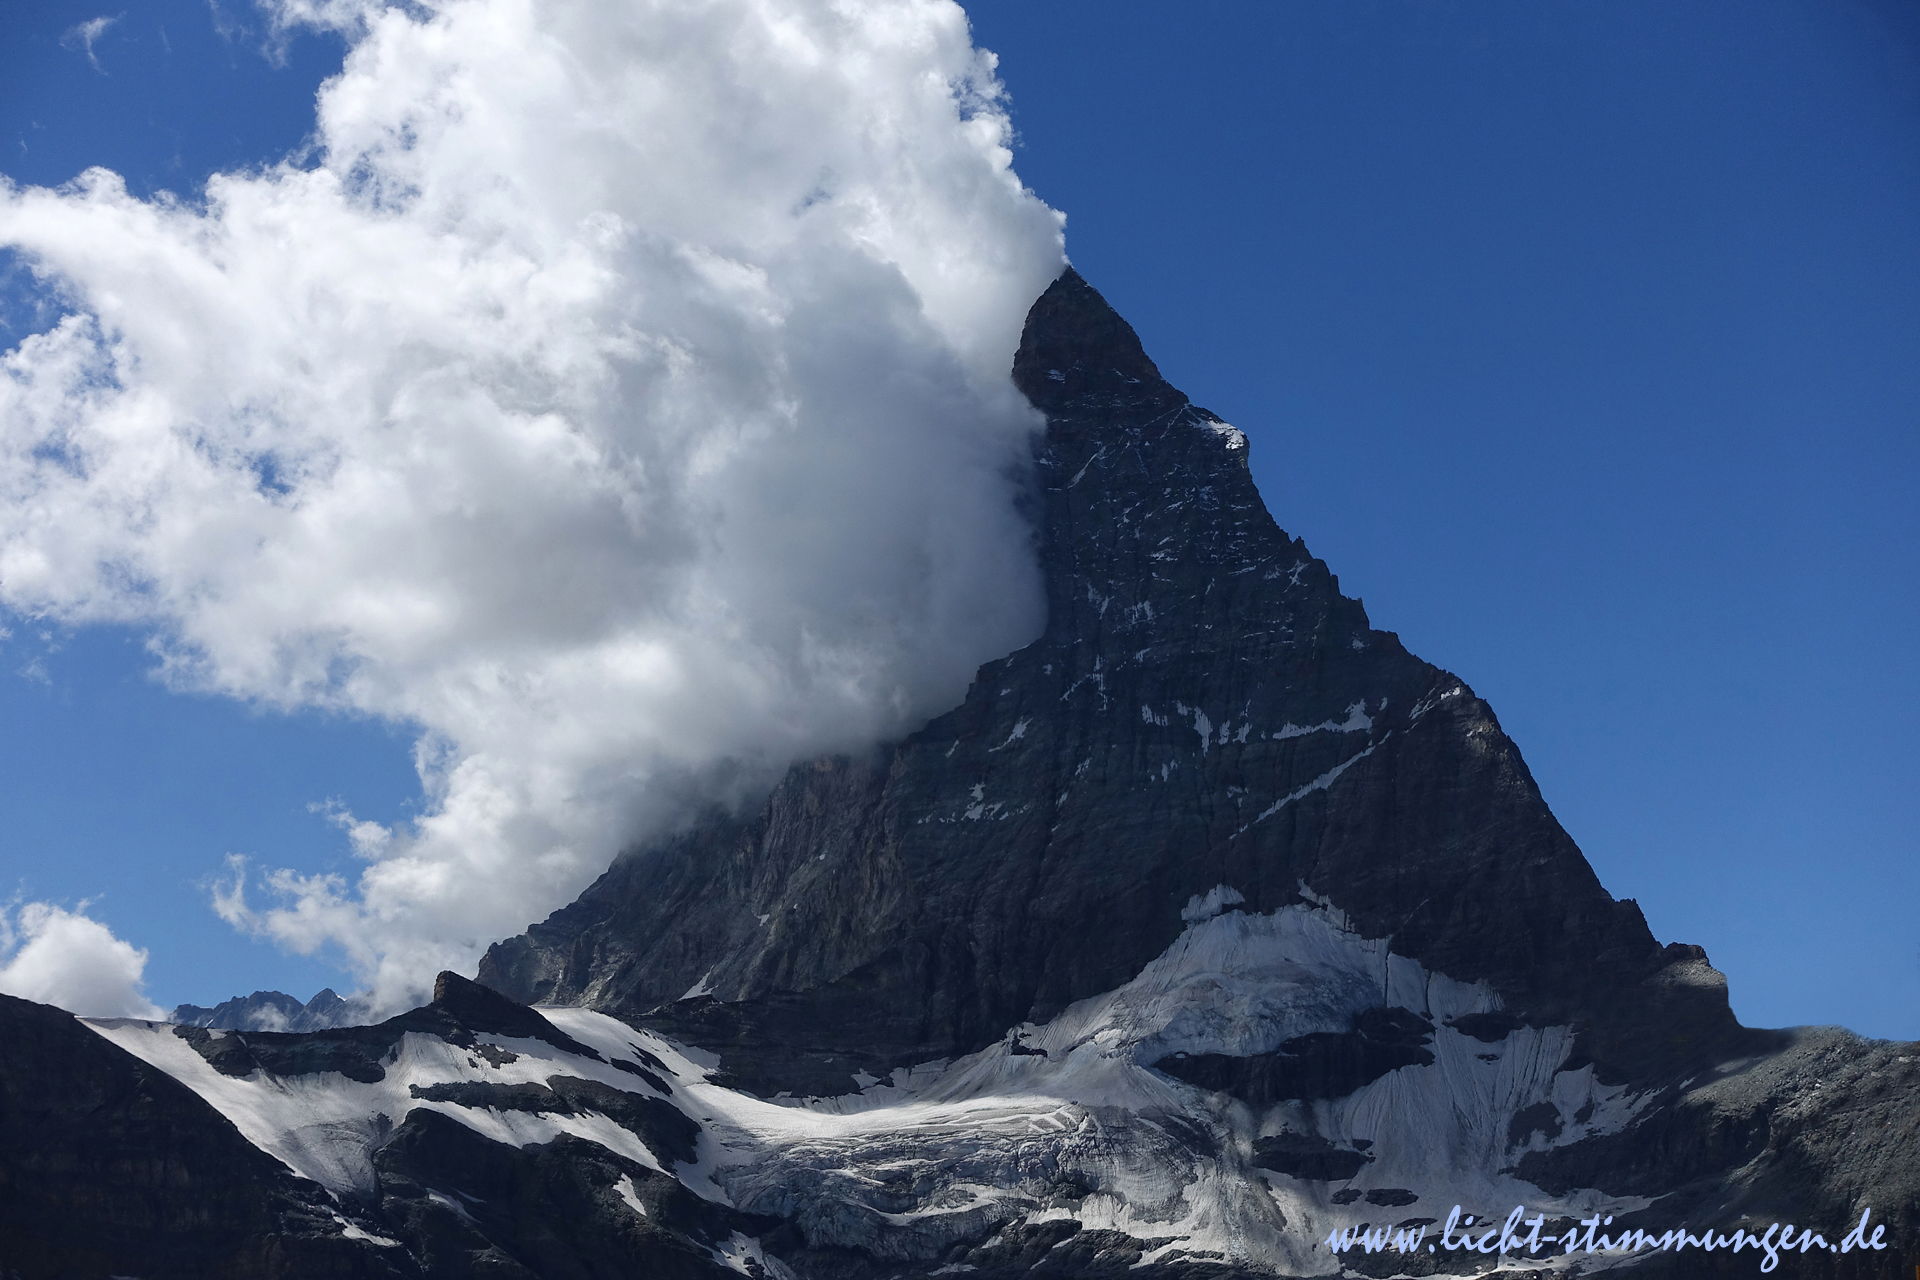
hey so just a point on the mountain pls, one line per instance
(1204, 710)
(1210, 926)
(276, 1011)
(111, 1166)
(161, 1150)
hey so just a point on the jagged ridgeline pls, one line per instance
(1205, 709)
(1211, 930)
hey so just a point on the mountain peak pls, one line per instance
(1076, 346)
(1205, 709)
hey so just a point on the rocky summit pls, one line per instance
(1206, 712)
(1213, 935)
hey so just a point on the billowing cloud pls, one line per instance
(620, 400)
(64, 958)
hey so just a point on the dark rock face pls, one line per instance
(550, 1211)
(1204, 709)
(1305, 1156)
(1323, 1064)
(111, 1167)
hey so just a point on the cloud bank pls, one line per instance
(619, 398)
(64, 958)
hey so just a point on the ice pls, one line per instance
(325, 1126)
(1217, 899)
(985, 1140)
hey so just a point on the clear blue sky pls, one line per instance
(1583, 342)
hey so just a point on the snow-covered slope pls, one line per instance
(1065, 1126)
(472, 1129)
(326, 1126)
(1069, 1121)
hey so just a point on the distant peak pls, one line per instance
(1077, 347)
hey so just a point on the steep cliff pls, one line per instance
(1204, 709)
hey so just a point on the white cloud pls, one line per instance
(64, 958)
(621, 402)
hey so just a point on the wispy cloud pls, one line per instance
(82, 36)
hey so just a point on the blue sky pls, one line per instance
(1579, 340)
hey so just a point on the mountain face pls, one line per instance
(1209, 926)
(1205, 709)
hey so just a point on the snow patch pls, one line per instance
(1018, 732)
(353, 1231)
(1357, 721)
(625, 1190)
(1217, 899)
(1201, 724)
(1232, 437)
(1320, 783)
(1433, 700)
